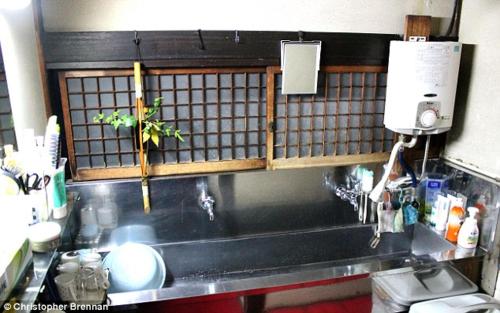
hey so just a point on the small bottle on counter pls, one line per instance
(443, 211)
(454, 220)
(469, 232)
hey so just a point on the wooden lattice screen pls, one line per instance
(341, 123)
(221, 114)
(231, 119)
(7, 135)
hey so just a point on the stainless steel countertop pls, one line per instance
(271, 228)
(27, 290)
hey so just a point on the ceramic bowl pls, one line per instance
(134, 266)
(144, 234)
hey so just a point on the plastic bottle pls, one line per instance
(442, 213)
(469, 232)
(434, 213)
(454, 221)
(481, 205)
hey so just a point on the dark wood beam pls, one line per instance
(77, 50)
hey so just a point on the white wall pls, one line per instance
(477, 112)
(474, 140)
(366, 16)
(22, 70)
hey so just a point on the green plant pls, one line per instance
(152, 129)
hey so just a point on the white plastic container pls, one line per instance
(396, 292)
(469, 232)
(458, 304)
(433, 186)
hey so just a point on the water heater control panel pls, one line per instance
(421, 86)
(427, 114)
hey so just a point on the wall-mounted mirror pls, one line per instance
(300, 66)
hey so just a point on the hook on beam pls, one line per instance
(136, 39)
(236, 37)
(202, 44)
(301, 35)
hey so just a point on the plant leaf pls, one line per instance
(108, 119)
(129, 120)
(157, 102)
(154, 136)
(99, 117)
(147, 116)
(167, 130)
(177, 134)
(134, 121)
(116, 113)
(145, 136)
(116, 123)
(152, 112)
(155, 126)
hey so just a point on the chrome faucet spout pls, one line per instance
(207, 203)
(210, 211)
(205, 200)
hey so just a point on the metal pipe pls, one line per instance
(376, 193)
(426, 155)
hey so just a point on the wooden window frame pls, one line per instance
(83, 174)
(311, 161)
(267, 161)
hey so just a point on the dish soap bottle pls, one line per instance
(454, 220)
(469, 233)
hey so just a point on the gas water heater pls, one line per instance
(421, 85)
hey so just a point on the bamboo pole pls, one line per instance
(143, 155)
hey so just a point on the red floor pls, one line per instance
(354, 305)
(361, 304)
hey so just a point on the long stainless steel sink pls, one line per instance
(263, 253)
(274, 253)
(198, 268)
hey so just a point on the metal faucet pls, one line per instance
(351, 191)
(207, 203)
(205, 200)
(348, 195)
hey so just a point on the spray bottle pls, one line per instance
(469, 232)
